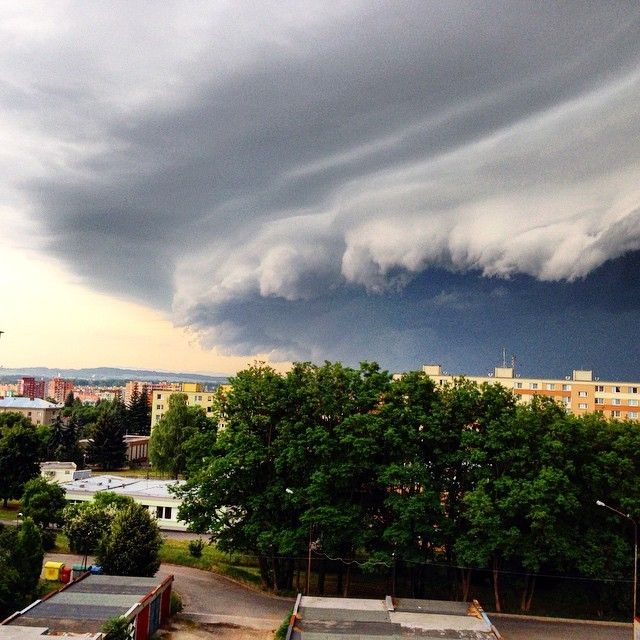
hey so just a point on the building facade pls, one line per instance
(37, 410)
(580, 392)
(59, 389)
(29, 387)
(196, 397)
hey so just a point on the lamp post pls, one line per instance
(306, 593)
(635, 554)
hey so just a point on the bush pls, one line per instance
(176, 603)
(196, 547)
(117, 628)
(48, 539)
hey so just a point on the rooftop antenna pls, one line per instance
(513, 361)
(504, 357)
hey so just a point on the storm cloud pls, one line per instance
(355, 180)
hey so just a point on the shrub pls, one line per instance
(196, 547)
(176, 603)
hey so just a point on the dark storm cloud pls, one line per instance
(273, 172)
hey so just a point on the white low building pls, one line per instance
(61, 472)
(152, 494)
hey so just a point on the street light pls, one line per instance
(292, 492)
(635, 553)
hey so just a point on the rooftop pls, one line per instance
(140, 487)
(320, 618)
(85, 605)
(18, 402)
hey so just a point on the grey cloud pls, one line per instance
(220, 158)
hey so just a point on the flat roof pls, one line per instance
(85, 605)
(20, 402)
(321, 618)
(134, 487)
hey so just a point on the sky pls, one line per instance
(194, 185)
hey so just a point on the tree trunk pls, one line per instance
(465, 583)
(496, 588)
(339, 579)
(527, 592)
(264, 571)
(345, 593)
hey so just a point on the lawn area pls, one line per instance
(11, 512)
(233, 565)
(137, 473)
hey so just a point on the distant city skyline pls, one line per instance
(197, 186)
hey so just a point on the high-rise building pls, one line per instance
(29, 387)
(59, 389)
(580, 392)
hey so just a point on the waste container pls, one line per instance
(52, 570)
(65, 574)
(78, 570)
(95, 569)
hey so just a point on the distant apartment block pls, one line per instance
(29, 387)
(8, 390)
(136, 386)
(59, 389)
(37, 410)
(580, 392)
(196, 397)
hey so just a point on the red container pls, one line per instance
(65, 574)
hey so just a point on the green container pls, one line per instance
(78, 569)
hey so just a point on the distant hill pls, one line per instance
(100, 374)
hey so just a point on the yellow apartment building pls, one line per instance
(196, 397)
(580, 392)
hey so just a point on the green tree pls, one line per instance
(69, 400)
(19, 448)
(132, 544)
(108, 449)
(85, 524)
(168, 448)
(43, 502)
(139, 412)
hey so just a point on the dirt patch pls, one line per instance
(188, 630)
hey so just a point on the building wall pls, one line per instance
(37, 416)
(199, 398)
(581, 393)
(59, 389)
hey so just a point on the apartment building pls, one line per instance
(580, 392)
(37, 410)
(59, 389)
(29, 387)
(196, 397)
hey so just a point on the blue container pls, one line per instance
(95, 569)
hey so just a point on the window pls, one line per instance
(566, 387)
(159, 396)
(551, 386)
(534, 385)
(567, 401)
(633, 389)
(616, 401)
(615, 414)
(582, 405)
(633, 403)
(600, 388)
(158, 407)
(163, 512)
(518, 385)
(582, 394)
(633, 414)
(599, 400)
(615, 389)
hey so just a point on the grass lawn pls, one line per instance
(233, 565)
(137, 473)
(11, 512)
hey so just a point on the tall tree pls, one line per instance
(43, 502)
(168, 445)
(132, 544)
(19, 446)
(108, 449)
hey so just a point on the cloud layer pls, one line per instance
(271, 173)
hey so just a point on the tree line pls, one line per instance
(364, 466)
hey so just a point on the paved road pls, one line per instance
(208, 597)
(516, 629)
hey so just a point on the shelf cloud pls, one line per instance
(318, 181)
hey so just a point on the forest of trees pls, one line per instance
(366, 467)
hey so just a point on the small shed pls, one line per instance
(83, 606)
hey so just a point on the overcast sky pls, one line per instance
(406, 182)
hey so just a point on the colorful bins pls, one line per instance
(65, 575)
(52, 570)
(78, 570)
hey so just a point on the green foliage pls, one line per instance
(281, 631)
(19, 446)
(43, 502)
(170, 439)
(131, 545)
(108, 449)
(117, 628)
(85, 524)
(175, 605)
(196, 547)
(139, 412)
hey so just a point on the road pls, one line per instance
(518, 629)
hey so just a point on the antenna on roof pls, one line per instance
(504, 356)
